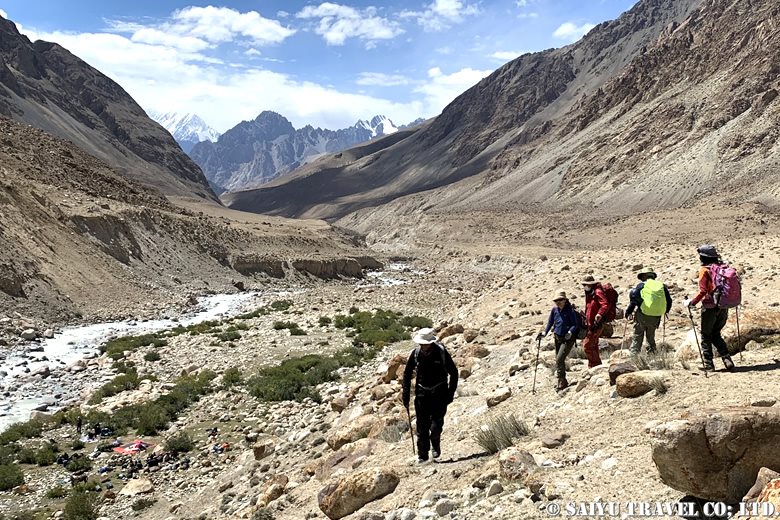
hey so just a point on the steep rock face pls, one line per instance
(256, 152)
(44, 85)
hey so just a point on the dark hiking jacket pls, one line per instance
(562, 320)
(433, 370)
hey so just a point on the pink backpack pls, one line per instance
(728, 288)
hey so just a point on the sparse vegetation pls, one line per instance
(658, 360)
(125, 381)
(659, 385)
(230, 335)
(324, 321)
(232, 377)
(500, 433)
(10, 476)
(116, 348)
(263, 514)
(152, 355)
(25, 430)
(57, 492)
(142, 503)
(81, 506)
(80, 463)
(294, 328)
(180, 443)
(381, 327)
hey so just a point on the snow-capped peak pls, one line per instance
(378, 126)
(185, 127)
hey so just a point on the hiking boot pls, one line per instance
(562, 384)
(728, 363)
(709, 366)
(421, 460)
(435, 454)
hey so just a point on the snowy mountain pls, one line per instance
(256, 152)
(187, 129)
(378, 126)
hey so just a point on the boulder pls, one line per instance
(380, 392)
(499, 396)
(445, 506)
(619, 356)
(263, 449)
(618, 369)
(516, 464)
(339, 404)
(635, 384)
(470, 335)
(770, 495)
(477, 351)
(352, 431)
(41, 416)
(765, 475)
(394, 368)
(494, 488)
(137, 486)
(29, 334)
(717, 454)
(450, 330)
(554, 440)
(349, 493)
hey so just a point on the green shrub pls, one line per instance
(46, 455)
(10, 476)
(353, 310)
(24, 430)
(115, 348)
(229, 336)
(76, 464)
(152, 418)
(180, 443)
(294, 328)
(281, 305)
(9, 453)
(86, 487)
(293, 378)
(324, 321)
(81, 506)
(122, 382)
(416, 322)
(152, 356)
(57, 492)
(231, 377)
(262, 311)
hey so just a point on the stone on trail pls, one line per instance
(353, 431)
(494, 488)
(470, 335)
(618, 369)
(499, 396)
(263, 449)
(636, 384)
(349, 493)
(765, 475)
(554, 440)
(137, 486)
(516, 464)
(716, 454)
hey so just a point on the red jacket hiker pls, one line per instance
(596, 304)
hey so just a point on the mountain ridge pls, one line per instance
(44, 85)
(256, 152)
(188, 129)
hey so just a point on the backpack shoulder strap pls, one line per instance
(416, 355)
(442, 350)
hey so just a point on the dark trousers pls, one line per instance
(430, 411)
(712, 323)
(562, 349)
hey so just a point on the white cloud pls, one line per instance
(219, 24)
(380, 79)
(572, 32)
(282, 14)
(442, 14)
(528, 15)
(157, 37)
(253, 52)
(441, 89)
(3, 14)
(338, 22)
(506, 55)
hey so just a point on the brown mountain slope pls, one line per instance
(79, 238)
(517, 103)
(44, 85)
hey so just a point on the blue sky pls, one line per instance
(321, 63)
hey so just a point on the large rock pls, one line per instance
(470, 335)
(137, 486)
(765, 476)
(770, 495)
(352, 431)
(29, 334)
(343, 458)
(395, 369)
(516, 464)
(717, 454)
(499, 396)
(450, 330)
(263, 449)
(476, 350)
(635, 384)
(618, 369)
(350, 493)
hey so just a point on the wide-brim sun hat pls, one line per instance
(425, 336)
(708, 251)
(646, 272)
(561, 295)
(589, 280)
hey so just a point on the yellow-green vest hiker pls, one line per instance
(651, 300)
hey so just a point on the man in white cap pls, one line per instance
(433, 392)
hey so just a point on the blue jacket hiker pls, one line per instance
(565, 324)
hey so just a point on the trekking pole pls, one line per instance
(739, 338)
(701, 354)
(536, 365)
(625, 328)
(663, 333)
(411, 431)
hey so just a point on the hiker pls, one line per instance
(713, 317)
(596, 308)
(563, 321)
(651, 300)
(79, 423)
(432, 391)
